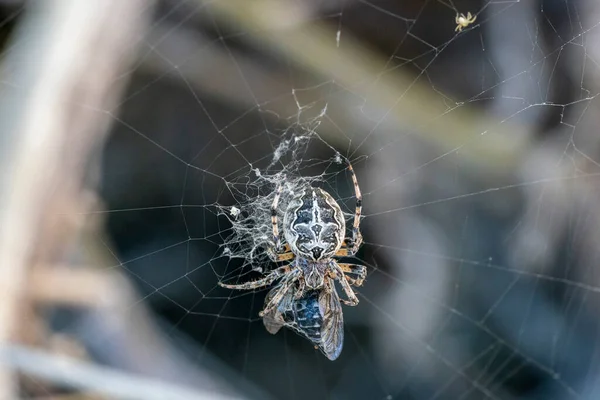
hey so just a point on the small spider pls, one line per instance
(314, 229)
(463, 21)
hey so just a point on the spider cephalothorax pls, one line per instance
(314, 230)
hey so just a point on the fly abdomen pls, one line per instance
(308, 317)
(316, 315)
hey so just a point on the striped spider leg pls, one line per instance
(265, 281)
(274, 250)
(351, 245)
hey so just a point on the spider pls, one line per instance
(314, 230)
(463, 21)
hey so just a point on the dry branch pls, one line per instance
(81, 375)
(61, 72)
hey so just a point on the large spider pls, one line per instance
(314, 229)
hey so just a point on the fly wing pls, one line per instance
(332, 329)
(275, 319)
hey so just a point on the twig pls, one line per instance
(61, 72)
(128, 337)
(72, 286)
(80, 375)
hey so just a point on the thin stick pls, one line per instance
(59, 74)
(80, 375)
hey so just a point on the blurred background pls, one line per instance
(127, 123)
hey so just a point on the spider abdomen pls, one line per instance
(314, 225)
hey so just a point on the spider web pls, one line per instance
(476, 153)
(254, 194)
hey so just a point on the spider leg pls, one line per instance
(276, 240)
(347, 249)
(359, 270)
(339, 275)
(344, 251)
(285, 255)
(286, 285)
(281, 256)
(267, 280)
(273, 252)
(356, 235)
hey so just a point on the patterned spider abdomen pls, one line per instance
(314, 225)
